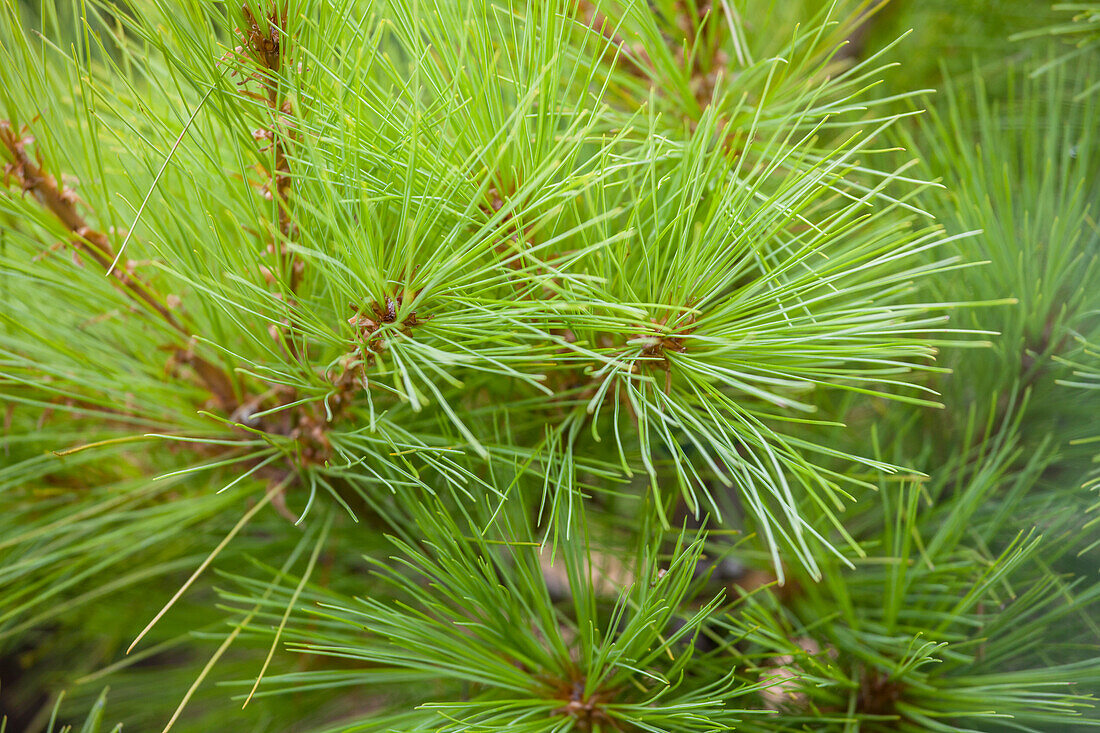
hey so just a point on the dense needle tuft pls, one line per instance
(549, 365)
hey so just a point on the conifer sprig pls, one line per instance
(920, 636)
(546, 262)
(476, 611)
(1022, 170)
(617, 336)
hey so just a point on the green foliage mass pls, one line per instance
(548, 366)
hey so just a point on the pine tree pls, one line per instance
(545, 366)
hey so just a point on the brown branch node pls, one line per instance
(658, 342)
(587, 711)
(879, 694)
(371, 326)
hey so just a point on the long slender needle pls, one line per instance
(156, 180)
(209, 559)
(290, 606)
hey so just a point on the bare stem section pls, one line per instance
(262, 50)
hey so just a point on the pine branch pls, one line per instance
(263, 45)
(647, 313)
(60, 201)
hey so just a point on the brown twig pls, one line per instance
(262, 45)
(61, 202)
(306, 425)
